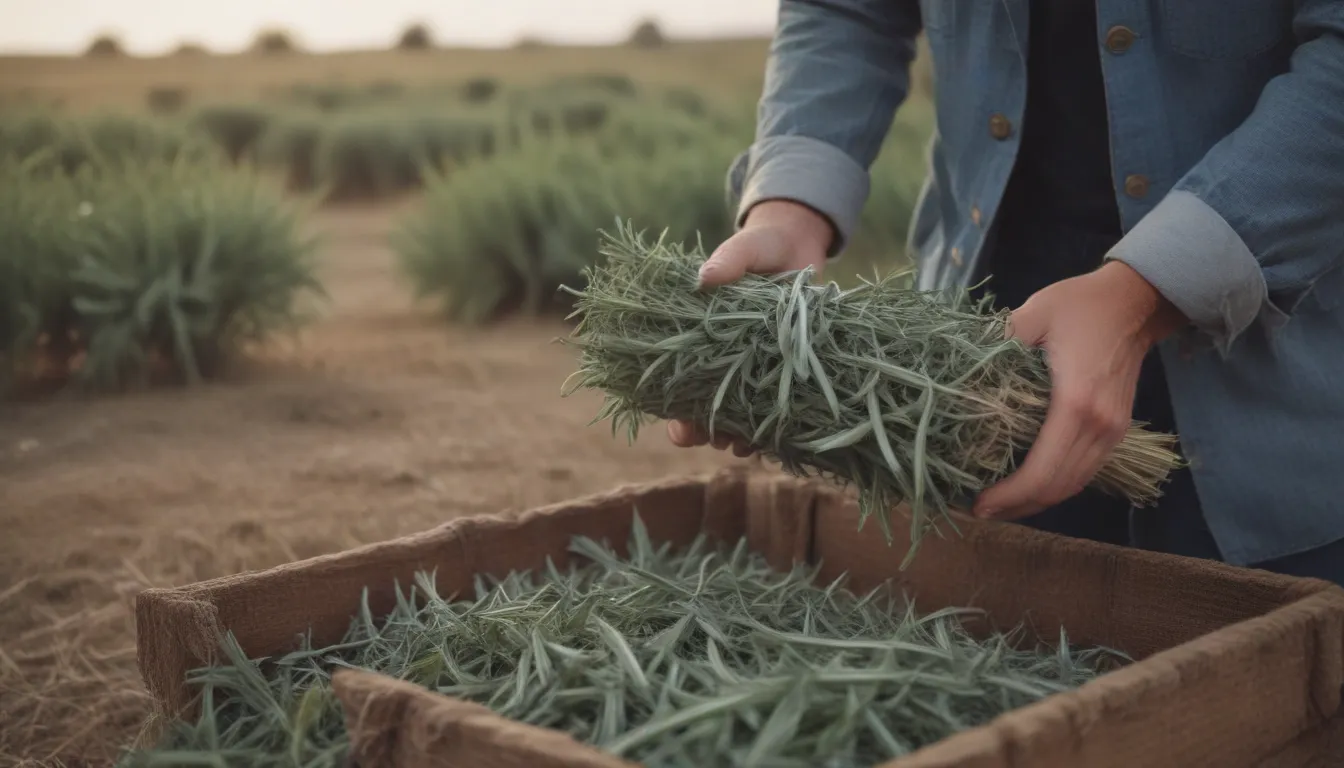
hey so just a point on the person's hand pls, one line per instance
(1096, 330)
(778, 236)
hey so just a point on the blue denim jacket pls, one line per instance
(1227, 149)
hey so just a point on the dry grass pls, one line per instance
(68, 683)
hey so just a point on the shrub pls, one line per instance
(104, 45)
(646, 129)
(326, 97)
(234, 127)
(375, 154)
(337, 96)
(166, 99)
(686, 100)
(291, 143)
(480, 90)
(553, 117)
(274, 41)
(32, 222)
(416, 37)
(501, 235)
(593, 82)
(572, 104)
(121, 271)
(647, 34)
(52, 140)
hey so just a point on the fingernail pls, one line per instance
(706, 272)
(985, 514)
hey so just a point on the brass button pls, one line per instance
(975, 216)
(956, 256)
(1119, 39)
(1000, 127)
(1136, 185)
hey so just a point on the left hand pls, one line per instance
(1096, 328)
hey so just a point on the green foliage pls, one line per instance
(291, 144)
(361, 141)
(234, 127)
(33, 226)
(71, 143)
(480, 90)
(340, 96)
(501, 235)
(607, 83)
(896, 179)
(372, 154)
(354, 144)
(702, 657)
(129, 268)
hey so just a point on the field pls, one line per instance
(383, 414)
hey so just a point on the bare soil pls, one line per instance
(380, 420)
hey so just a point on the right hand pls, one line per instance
(778, 236)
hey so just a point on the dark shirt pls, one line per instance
(1059, 213)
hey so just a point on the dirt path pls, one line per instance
(382, 421)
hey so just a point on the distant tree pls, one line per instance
(416, 37)
(190, 49)
(647, 34)
(530, 43)
(274, 41)
(104, 45)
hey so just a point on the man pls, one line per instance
(1156, 188)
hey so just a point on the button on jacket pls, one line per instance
(1227, 160)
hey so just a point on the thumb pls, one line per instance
(740, 254)
(1028, 324)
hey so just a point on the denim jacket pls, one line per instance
(1227, 150)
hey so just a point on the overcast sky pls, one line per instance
(154, 26)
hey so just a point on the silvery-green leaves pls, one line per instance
(133, 263)
(701, 657)
(909, 396)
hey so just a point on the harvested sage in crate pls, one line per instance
(700, 658)
(911, 396)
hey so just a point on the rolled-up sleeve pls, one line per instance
(837, 71)
(1251, 228)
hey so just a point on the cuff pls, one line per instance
(804, 170)
(1194, 258)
